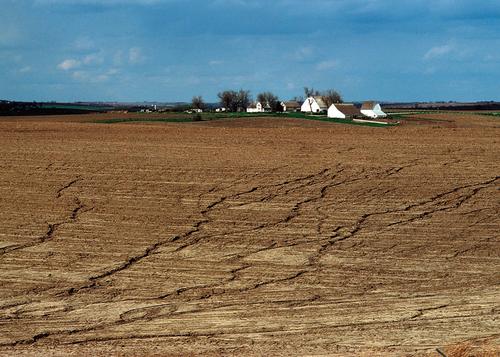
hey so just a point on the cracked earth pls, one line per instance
(247, 237)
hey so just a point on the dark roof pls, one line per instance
(292, 104)
(368, 105)
(321, 102)
(347, 109)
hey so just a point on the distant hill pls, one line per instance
(34, 108)
(445, 105)
(55, 108)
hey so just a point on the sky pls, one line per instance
(172, 50)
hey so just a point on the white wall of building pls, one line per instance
(258, 108)
(333, 112)
(309, 105)
(376, 112)
(369, 113)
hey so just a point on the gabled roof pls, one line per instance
(292, 104)
(253, 105)
(320, 102)
(369, 105)
(347, 109)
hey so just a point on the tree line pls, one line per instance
(237, 101)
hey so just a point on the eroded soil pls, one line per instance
(249, 237)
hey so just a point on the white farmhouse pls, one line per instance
(343, 111)
(314, 105)
(255, 108)
(373, 110)
(258, 107)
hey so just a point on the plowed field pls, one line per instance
(248, 237)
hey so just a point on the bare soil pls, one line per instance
(248, 237)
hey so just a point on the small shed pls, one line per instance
(343, 111)
(372, 109)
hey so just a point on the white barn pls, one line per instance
(343, 111)
(372, 109)
(255, 108)
(314, 105)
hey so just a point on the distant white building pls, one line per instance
(194, 110)
(314, 105)
(343, 111)
(258, 107)
(255, 108)
(372, 109)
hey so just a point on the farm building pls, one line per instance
(194, 110)
(314, 105)
(343, 111)
(372, 109)
(258, 107)
(290, 106)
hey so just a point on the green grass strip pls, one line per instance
(495, 115)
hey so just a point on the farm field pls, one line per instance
(250, 236)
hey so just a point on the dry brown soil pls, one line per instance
(248, 237)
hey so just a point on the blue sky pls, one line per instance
(170, 50)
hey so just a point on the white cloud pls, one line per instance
(79, 75)
(430, 70)
(438, 51)
(68, 64)
(302, 53)
(91, 77)
(9, 34)
(25, 69)
(326, 65)
(215, 63)
(118, 58)
(93, 58)
(101, 2)
(83, 44)
(237, 3)
(135, 55)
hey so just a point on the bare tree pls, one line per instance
(197, 102)
(310, 92)
(235, 101)
(268, 98)
(228, 99)
(331, 96)
(243, 100)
